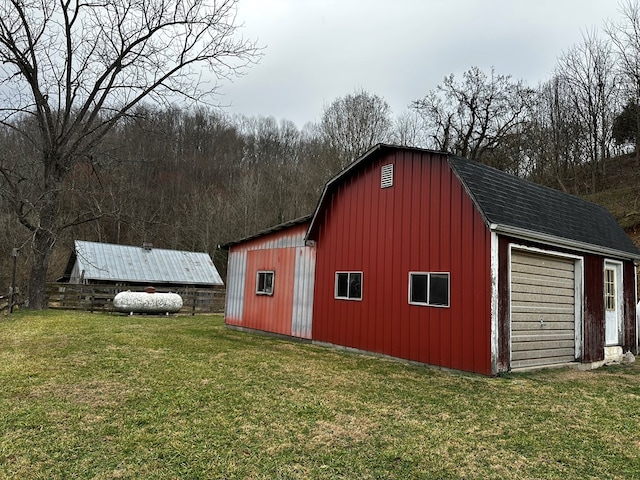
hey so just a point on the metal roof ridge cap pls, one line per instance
(561, 242)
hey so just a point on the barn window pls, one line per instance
(349, 285)
(431, 289)
(264, 283)
(386, 176)
(610, 289)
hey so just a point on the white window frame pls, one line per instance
(265, 273)
(428, 302)
(349, 273)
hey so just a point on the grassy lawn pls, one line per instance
(104, 396)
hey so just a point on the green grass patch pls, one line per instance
(105, 396)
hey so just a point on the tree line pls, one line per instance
(136, 168)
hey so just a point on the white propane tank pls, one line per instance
(147, 302)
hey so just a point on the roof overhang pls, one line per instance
(262, 233)
(559, 242)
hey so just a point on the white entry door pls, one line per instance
(613, 303)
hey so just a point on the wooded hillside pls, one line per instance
(192, 177)
(195, 180)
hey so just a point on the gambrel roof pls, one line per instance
(514, 206)
(129, 264)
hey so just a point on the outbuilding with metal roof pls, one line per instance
(105, 263)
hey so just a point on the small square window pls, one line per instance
(430, 289)
(349, 285)
(264, 283)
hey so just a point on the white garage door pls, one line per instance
(543, 323)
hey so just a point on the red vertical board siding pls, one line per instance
(424, 223)
(415, 231)
(468, 306)
(594, 324)
(446, 239)
(357, 232)
(397, 233)
(424, 252)
(434, 262)
(482, 268)
(387, 321)
(629, 297)
(270, 313)
(457, 294)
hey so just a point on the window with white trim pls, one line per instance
(264, 282)
(429, 289)
(610, 289)
(348, 285)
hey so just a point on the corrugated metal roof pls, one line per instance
(123, 263)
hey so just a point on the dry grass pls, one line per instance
(105, 396)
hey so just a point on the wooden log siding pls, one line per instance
(69, 296)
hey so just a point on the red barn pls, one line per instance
(425, 256)
(270, 280)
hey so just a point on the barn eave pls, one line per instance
(559, 242)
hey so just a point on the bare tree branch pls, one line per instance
(79, 67)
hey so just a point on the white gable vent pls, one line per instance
(386, 177)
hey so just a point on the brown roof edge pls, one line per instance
(275, 228)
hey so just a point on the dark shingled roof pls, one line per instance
(506, 200)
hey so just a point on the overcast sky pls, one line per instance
(319, 50)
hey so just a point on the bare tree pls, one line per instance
(588, 71)
(625, 36)
(472, 117)
(352, 124)
(409, 130)
(553, 143)
(76, 69)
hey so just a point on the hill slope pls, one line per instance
(620, 193)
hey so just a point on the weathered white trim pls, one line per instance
(578, 292)
(619, 298)
(236, 275)
(560, 242)
(635, 289)
(303, 287)
(495, 324)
